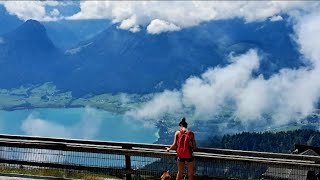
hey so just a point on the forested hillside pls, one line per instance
(266, 141)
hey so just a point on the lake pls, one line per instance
(80, 123)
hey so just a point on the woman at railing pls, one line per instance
(184, 143)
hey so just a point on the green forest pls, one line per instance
(282, 142)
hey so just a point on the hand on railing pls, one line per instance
(168, 149)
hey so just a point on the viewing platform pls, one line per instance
(86, 159)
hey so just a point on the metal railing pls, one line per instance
(148, 161)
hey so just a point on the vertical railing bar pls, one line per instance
(127, 162)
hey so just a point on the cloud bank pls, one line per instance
(36, 10)
(288, 96)
(158, 16)
(164, 16)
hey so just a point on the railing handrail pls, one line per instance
(155, 153)
(128, 145)
(82, 141)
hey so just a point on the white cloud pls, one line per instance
(253, 100)
(89, 125)
(36, 10)
(216, 86)
(174, 15)
(168, 101)
(307, 30)
(157, 26)
(39, 127)
(55, 13)
(205, 94)
(276, 18)
(86, 128)
(287, 96)
(129, 24)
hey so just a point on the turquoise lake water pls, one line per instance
(80, 123)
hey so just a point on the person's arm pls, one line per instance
(173, 146)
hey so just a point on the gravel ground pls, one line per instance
(25, 177)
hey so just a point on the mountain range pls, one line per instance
(116, 60)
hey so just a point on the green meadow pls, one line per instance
(47, 95)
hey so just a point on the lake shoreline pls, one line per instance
(16, 108)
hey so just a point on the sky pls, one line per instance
(288, 96)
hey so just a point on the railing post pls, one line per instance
(128, 162)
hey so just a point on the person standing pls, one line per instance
(184, 143)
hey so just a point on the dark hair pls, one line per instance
(183, 123)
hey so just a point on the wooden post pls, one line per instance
(128, 162)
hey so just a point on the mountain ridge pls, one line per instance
(117, 60)
(27, 56)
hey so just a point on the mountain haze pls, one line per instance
(123, 61)
(66, 33)
(117, 60)
(27, 56)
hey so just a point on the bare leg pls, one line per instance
(190, 170)
(180, 170)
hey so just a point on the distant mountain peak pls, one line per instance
(32, 26)
(30, 34)
(34, 23)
